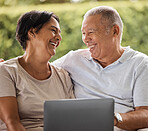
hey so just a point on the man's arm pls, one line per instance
(1, 60)
(134, 120)
(9, 114)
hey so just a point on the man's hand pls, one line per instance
(115, 121)
(1, 60)
(137, 119)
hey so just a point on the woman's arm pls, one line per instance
(9, 114)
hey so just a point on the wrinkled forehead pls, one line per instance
(92, 21)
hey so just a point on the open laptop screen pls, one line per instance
(79, 115)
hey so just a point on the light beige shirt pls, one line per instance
(31, 93)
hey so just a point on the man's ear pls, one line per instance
(31, 33)
(116, 30)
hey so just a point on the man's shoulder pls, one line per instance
(134, 54)
(79, 52)
(71, 57)
(139, 59)
(140, 56)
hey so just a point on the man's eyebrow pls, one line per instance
(56, 28)
(90, 29)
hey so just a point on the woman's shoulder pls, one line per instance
(59, 70)
(10, 61)
(64, 77)
(60, 73)
(9, 64)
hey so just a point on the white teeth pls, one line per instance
(91, 46)
(54, 44)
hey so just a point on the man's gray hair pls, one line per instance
(108, 14)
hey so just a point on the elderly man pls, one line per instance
(108, 70)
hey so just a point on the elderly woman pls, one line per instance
(27, 81)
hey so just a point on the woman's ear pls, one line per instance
(31, 33)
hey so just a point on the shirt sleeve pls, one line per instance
(66, 82)
(7, 85)
(69, 85)
(63, 61)
(140, 93)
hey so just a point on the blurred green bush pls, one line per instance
(133, 14)
(29, 2)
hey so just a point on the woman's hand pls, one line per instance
(9, 113)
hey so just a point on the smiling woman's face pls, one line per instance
(45, 42)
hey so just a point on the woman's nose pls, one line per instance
(58, 37)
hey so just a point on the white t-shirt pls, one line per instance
(31, 93)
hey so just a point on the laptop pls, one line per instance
(79, 115)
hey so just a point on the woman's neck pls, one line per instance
(37, 68)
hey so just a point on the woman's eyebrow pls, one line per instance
(56, 28)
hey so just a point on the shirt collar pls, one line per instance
(127, 54)
(87, 54)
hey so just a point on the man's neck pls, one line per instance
(111, 58)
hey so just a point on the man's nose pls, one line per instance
(86, 39)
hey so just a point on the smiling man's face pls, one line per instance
(96, 37)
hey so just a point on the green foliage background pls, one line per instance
(133, 14)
